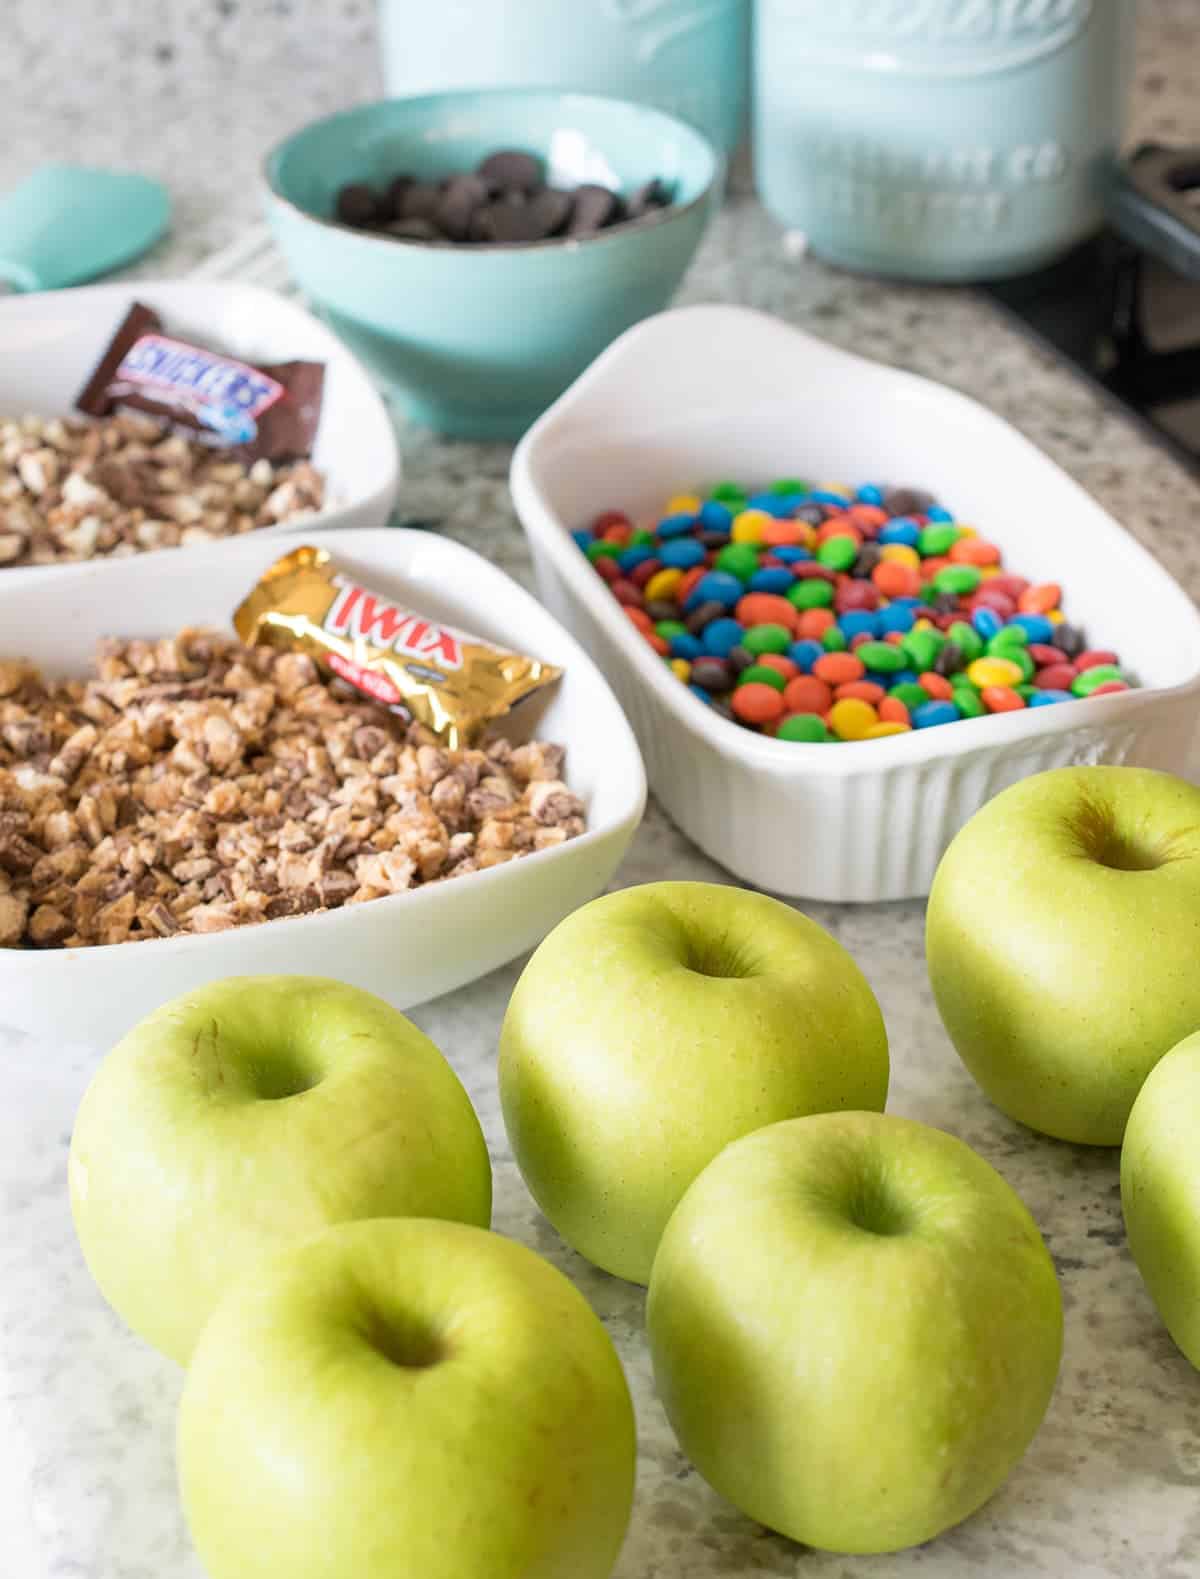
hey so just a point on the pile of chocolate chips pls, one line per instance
(506, 199)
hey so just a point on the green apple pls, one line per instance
(1063, 936)
(654, 1026)
(855, 1328)
(1160, 1191)
(406, 1400)
(249, 1114)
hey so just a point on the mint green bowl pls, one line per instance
(476, 341)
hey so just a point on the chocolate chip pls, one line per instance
(462, 195)
(505, 223)
(704, 615)
(648, 199)
(394, 197)
(533, 218)
(714, 674)
(505, 200)
(595, 207)
(510, 168)
(421, 200)
(357, 204)
(553, 209)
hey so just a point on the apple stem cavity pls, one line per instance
(721, 958)
(408, 1345)
(873, 1210)
(277, 1079)
(1119, 849)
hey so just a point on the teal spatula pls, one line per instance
(68, 223)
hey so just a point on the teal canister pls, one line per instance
(687, 57)
(939, 139)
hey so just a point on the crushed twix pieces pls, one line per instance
(73, 490)
(196, 784)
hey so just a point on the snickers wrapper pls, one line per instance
(268, 413)
(454, 684)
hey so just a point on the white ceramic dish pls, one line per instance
(716, 391)
(50, 341)
(408, 947)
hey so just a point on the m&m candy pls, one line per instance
(820, 613)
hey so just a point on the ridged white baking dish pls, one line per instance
(708, 392)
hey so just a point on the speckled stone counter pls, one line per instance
(195, 90)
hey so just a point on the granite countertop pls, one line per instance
(195, 92)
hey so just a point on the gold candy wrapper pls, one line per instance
(451, 682)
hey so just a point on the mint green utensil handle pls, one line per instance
(69, 223)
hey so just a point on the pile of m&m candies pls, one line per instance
(816, 612)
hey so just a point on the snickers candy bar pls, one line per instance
(270, 413)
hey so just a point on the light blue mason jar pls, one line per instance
(687, 57)
(939, 139)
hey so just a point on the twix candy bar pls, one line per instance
(453, 683)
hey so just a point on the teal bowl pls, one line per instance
(476, 341)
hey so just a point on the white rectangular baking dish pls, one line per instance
(51, 340)
(713, 391)
(407, 947)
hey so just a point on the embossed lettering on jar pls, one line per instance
(1017, 28)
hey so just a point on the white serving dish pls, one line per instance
(408, 947)
(707, 392)
(51, 340)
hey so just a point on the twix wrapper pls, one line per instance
(453, 683)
